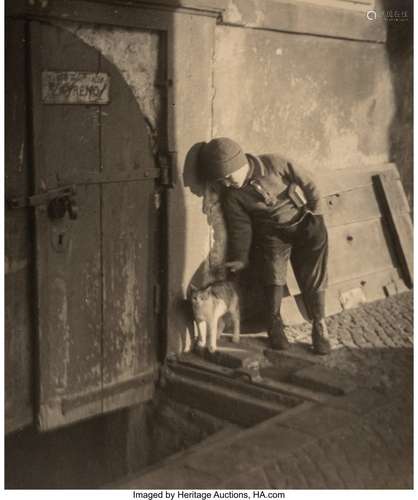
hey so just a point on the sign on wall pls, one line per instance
(75, 87)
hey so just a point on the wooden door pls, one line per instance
(95, 274)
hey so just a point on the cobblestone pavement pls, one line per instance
(361, 440)
(372, 451)
(372, 342)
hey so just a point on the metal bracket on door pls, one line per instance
(59, 201)
(167, 163)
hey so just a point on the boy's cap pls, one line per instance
(221, 156)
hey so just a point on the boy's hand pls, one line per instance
(234, 266)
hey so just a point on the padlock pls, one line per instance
(57, 208)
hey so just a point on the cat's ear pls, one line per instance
(191, 290)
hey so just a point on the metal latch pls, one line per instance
(167, 164)
(59, 201)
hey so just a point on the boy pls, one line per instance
(271, 202)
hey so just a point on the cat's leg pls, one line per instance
(213, 329)
(236, 324)
(221, 327)
(201, 333)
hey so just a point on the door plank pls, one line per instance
(73, 130)
(372, 285)
(128, 313)
(338, 181)
(70, 322)
(357, 249)
(138, 388)
(354, 250)
(126, 147)
(356, 205)
(393, 204)
(129, 272)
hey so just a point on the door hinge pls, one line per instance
(168, 83)
(167, 163)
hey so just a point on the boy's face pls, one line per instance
(237, 178)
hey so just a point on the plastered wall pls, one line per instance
(190, 234)
(325, 103)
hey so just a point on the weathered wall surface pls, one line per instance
(189, 232)
(325, 103)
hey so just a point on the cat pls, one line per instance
(210, 305)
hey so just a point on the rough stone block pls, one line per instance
(328, 467)
(218, 463)
(319, 378)
(293, 390)
(255, 479)
(274, 441)
(246, 452)
(274, 476)
(234, 357)
(287, 474)
(172, 477)
(320, 421)
(361, 402)
(301, 356)
(284, 365)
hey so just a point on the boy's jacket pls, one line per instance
(262, 206)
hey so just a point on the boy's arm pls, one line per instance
(239, 229)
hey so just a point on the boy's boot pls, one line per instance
(320, 340)
(278, 339)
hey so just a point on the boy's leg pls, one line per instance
(310, 260)
(276, 255)
(277, 336)
(309, 255)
